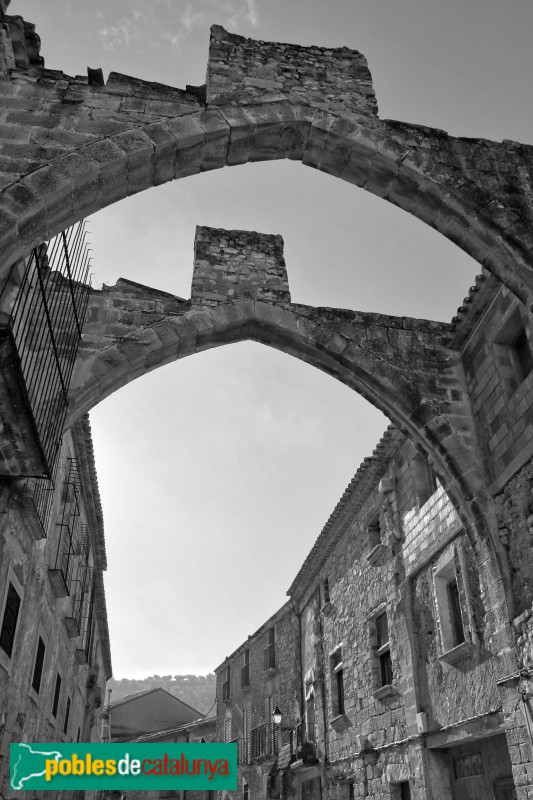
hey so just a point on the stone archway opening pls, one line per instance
(240, 291)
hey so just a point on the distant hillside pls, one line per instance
(196, 690)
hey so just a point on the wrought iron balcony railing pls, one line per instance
(40, 341)
(62, 569)
(264, 741)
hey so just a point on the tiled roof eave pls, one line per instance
(357, 492)
(83, 446)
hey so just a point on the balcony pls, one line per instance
(63, 568)
(81, 582)
(42, 308)
(264, 742)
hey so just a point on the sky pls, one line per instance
(218, 472)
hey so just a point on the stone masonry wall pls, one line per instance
(283, 680)
(503, 406)
(449, 693)
(28, 714)
(244, 71)
(428, 528)
(381, 743)
(231, 265)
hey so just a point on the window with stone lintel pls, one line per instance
(451, 599)
(382, 664)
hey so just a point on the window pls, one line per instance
(383, 650)
(425, 483)
(57, 693)
(310, 713)
(513, 352)
(325, 591)
(337, 683)
(38, 666)
(374, 531)
(400, 791)
(226, 686)
(273, 738)
(67, 714)
(450, 596)
(245, 671)
(10, 620)
(521, 353)
(456, 620)
(227, 729)
(270, 650)
(381, 657)
(246, 792)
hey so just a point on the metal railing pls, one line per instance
(264, 741)
(43, 497)
(83, 576)
(62, 568)
(46, 322)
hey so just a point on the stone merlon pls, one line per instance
(243, 71)
(233, 265)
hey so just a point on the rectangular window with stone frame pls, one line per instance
(382, 664)
(270, 650)
(310, 712)
(452, 604)
(226, 686)
(38, 665)
(337, 683)
(383, 650)
(10, 612)
(245, 669)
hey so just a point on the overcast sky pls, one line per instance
(218, 472)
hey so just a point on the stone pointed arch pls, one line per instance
(86, 145)
(399, 365)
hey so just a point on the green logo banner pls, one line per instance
(129, 765)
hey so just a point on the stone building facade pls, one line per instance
(390, 686)
(408, 642)
(54, 641)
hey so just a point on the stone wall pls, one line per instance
(281, 681)
(245, 71)
(230, 265)
(71, 146)
(27, 553)
(391, 549)
(502, 400)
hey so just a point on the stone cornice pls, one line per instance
(83, 445)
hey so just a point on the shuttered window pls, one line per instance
(246, 728)
(9, 623)
(227, 729)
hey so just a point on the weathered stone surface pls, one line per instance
(266, 101)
